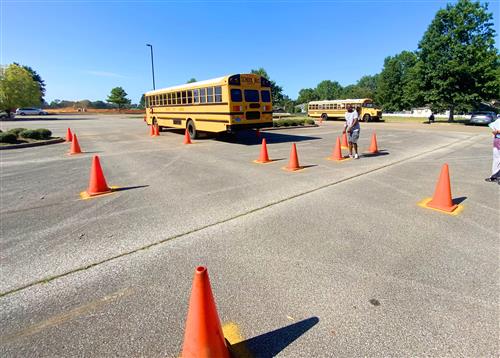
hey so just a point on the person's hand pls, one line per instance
(343, 132)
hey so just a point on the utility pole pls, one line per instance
(152, 65)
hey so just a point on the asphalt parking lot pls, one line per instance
(333, 260)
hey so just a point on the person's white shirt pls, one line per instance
(349, 119)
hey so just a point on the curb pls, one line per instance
(289, 127)
(34, 144)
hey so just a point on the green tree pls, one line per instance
(142, 102)
(191, 80)
(288, 104)
(369, 82)
(276, 91)
(459, 64)
(394, 80)
(118, 97)
(307, 95)
(17, 88)
(356, 91)
(328, 90)
(37, 78)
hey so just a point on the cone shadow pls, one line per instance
(459, 200)
(130, 187)
(378, 154)
(271, 343)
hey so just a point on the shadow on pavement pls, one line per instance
(130, 187)
(459, 200)
(378, 154)
(271, 343)
(250, 138)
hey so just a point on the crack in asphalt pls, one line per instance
(146, 247)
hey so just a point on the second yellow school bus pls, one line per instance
(224, 104)
(367, 110)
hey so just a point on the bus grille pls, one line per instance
(253, 115)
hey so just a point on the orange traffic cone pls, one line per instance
(337, 152)
(187, 137)
(373, 145)
(152, 130)
(442, 195)
(97, 182)
(75, 146)
(69, 135)
(264, 157)
(345, 145)
(293, 164)
(203, 337)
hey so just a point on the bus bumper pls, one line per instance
(231, 128)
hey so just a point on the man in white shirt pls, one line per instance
(352, 128)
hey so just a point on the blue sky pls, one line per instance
(84, 48)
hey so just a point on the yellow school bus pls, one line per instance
(367, 110)
(224, 104)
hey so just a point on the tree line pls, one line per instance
(455, 67)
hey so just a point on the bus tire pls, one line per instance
(324, 117)
(190, 126)
(367, 118)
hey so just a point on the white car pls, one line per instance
(30, 110)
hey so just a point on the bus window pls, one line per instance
(218, 93)
(189, 96)
(251, 95)
(163, 99)
(169, 98)
(183, 97)
(236, 95)
(266, 96)
(210, 95)
(196, 96)
(203, 98)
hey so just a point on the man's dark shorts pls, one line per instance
(353, 136)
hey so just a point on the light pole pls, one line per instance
(152, 65)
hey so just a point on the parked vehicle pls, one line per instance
(482, 118)
(5, 115)
(30, 110)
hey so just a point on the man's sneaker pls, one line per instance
(356, 156)
(350, 156)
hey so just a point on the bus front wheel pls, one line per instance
(191, 129)
(367, 118)
(324, 116)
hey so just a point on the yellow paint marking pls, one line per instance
(66, 316)
(455, 212)
(237, 346)
(85, 196)
(338, 161)
(257, 162)
(232, 333)
(290, 318)
(292, 170)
